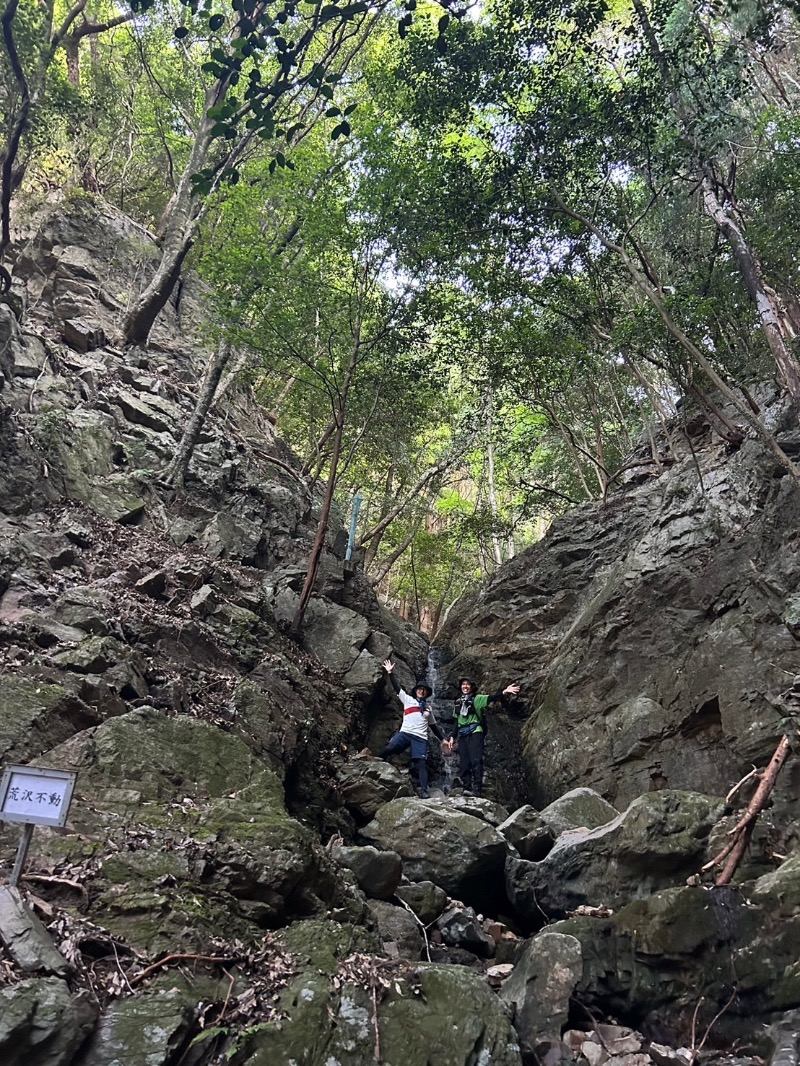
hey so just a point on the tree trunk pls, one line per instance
(322, 528)
(760, 293)
(179, 228)
(749, 267)
(373, 544)
(72, 47)
(176, 471)
(498, 551)
(327, 502)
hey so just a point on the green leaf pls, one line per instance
(181, 32)
(444, 22)
(350, 109)
(326, 91)
(333, 112)
(215, 22)
(209, 1034)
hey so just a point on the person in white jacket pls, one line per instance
(418, 718)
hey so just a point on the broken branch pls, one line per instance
(217, 960)
(743, 830)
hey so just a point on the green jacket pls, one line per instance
(470, 713)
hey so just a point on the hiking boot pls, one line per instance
(425, 794)
(365, 753)
(467, 792)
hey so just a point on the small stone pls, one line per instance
(153, 584)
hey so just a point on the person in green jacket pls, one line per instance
(470, 726)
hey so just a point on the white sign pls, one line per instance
(35, 795)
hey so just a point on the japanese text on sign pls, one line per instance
(31, 794)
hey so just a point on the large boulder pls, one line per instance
(377, 872)
(526, 832)
(580, 808)
(420, 1014)
(186, 833)
(690, 956)
(541, 987)
(658, 841)
(366, 784)
(147, 1028)
(37, 716)
(462, 854)
(42, 1023)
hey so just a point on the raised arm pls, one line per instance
(388, 666)
(499, 697)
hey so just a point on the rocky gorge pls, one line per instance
(237, 881)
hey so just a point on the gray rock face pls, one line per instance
(454, 850)
(679, 948)
(366, 784)
(399, 931)
(541, 986)
(41, 1023)
(144, 1029)
(580, 808)
(658, 841)
(525, 830)
(652, 632)
(25, 938)
(461, 928)
(377, 872)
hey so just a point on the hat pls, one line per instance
(422, 683)
(470, 680)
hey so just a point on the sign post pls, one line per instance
(33, 796)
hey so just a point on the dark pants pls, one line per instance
(419, 756)
(470, 754)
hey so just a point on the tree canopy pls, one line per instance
(467, 259)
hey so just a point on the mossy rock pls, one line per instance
(36, 716)
(425, 1015)
(166, 757)
(322, 944)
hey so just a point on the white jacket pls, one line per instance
(415, 720)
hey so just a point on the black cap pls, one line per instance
(422, 683)
(471, 681)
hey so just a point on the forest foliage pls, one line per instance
(468, 259)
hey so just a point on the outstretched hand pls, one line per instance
(511, 690)
(388, 665)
